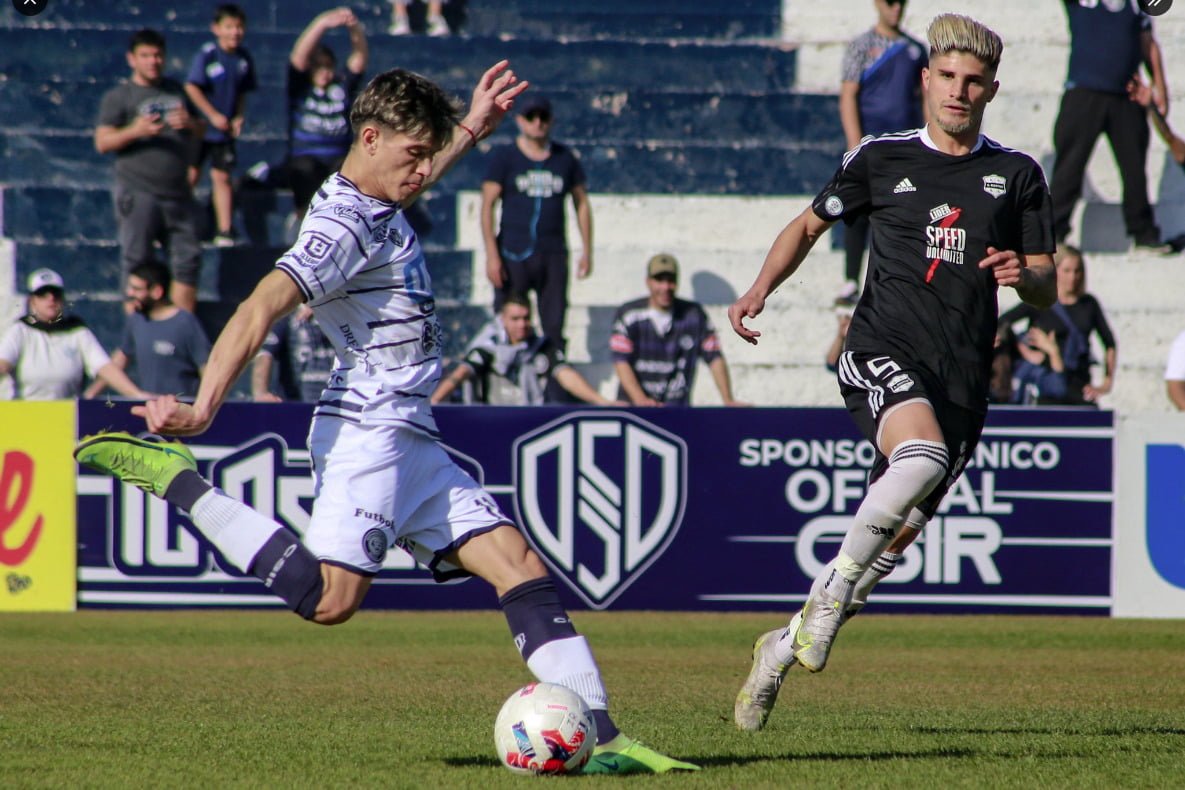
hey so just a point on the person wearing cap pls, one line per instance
(48, 353)
(511, 365)
(658, 339)
(531, 179)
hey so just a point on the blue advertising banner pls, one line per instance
(675, 509)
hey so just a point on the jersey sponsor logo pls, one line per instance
(902, 382)
(938, 212)
(215, 70)
(348, 212)
(163, 348)
(995, 185)
(540, 184)
(317, 246)
(904, 185)
(600, 497)
(833, 206)
(944, 242)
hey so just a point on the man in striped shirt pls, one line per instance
(658, 339)
(380, 477)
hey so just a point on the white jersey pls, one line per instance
(359, 265)
(48, 363)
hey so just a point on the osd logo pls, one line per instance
(601, 496)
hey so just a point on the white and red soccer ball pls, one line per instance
(545, 728)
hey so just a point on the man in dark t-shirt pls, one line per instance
(150, 126)
(954, 216)
(532, 179)
(1108, 42)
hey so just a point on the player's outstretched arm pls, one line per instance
(492, 98)
(274, 297)
(1033, 276)
(788, 252)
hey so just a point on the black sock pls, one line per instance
(186, 488)
(290, 571)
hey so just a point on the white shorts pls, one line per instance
(381, 486)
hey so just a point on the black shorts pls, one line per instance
(872, 383)
(221, 155)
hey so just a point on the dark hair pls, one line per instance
(517, 299)
(322, 53)
(231, 10)
(407, 103)
(153, 273)
(146, 37)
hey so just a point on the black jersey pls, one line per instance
(933, 216)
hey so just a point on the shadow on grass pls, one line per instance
(721, 760)
(1109, 732)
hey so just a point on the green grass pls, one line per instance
(233, 699)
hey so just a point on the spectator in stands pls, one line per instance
(531, 178)
(880, 91)
(304, 355)
(1108, 42)
(48, 353)
(221, 75)
(167, 344)
(148, 124)
(1174, 373)
(401, 25)
(510, 365)
(1061, 335)
(658, 339)
(319, 99)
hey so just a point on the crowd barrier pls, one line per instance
(675, 509)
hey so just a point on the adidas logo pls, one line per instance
(904, 185)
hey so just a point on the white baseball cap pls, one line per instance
(45, 278)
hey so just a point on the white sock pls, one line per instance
(235, 529)
(570, 663)
(881, 567)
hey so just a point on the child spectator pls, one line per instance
(221, 76)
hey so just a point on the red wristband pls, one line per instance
(469, 132)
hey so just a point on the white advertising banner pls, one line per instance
(1149, 540)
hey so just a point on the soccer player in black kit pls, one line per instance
(954, 216)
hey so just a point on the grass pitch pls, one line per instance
(262, 699)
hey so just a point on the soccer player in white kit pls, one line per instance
(380, 477)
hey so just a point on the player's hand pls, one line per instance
(236, 126)
(584, 266)
(494, 270)
(170, 417)
(147, 125)
(492, 98)
(1006, 266)
(748, 306)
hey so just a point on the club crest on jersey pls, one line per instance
(833, 206)
(902, 382)
(374, 544)
(995, 185)
(384, 232)
(600, 496)
(431, 337)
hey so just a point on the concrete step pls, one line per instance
(28, 54)
(541, 18)
(660, 113)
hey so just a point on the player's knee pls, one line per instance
(333, 612)
(919, 465)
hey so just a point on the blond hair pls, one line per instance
(957, 33)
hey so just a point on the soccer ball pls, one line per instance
(545, 728)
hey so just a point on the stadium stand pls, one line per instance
(704, 125)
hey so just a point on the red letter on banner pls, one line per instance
(16, 473)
